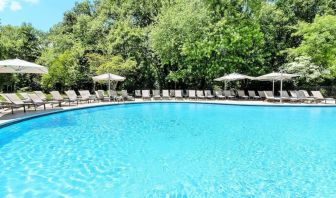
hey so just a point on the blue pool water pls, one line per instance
(172, 150)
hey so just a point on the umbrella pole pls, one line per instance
(109, 89)
(273, 87)
(281, 89)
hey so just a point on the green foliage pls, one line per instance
(319, 42)
(176, 43)
(308, 71)
(61, 73)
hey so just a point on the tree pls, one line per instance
(318, 42)
(62, 74)
(309, 72)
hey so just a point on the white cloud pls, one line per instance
(15, 6)
(32, 1)
(3, 4)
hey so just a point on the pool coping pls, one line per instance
(75, 108)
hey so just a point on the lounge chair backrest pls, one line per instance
(191, 93)
(178, 93)
(138, 93)
(241, 93)
(6, 98)
(269, 94)
(100, 93)
(85, 94)
(35, 98)
(71, 94)
(300, 94)
(200, 93)
(293, 94)
(14, 99)
(113, 93)
(227, 93)
(284, 94)
(41, 95)
(145, 93)
(156, 92)
(172, 93)
(207, 93)
(261, 94)
(124, 93)
(165, 93)
(218, 93)
(305, 93)
(251, 93)
(56, 95)
(317, 94)
(25, 96)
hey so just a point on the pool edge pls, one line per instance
(75, 108)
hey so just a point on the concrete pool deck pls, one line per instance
(7, 117)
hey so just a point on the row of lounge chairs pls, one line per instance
(295, 96)
(38, 98)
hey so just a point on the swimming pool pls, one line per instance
(172, 150)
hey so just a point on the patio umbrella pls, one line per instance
(21, 66)
(233, 77)
(108, 77)
(276, 76)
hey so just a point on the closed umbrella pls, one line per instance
(276, 76)
(108, 77)
(21, 66)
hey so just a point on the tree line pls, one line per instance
(176, 43)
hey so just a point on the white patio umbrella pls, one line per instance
(108, 77)
(233, 77)
(276, 76)
(21, 66)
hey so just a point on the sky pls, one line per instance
(42, 14)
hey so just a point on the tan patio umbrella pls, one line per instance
(108, 77)
(276, 76)
(233, 77)
(21, 66)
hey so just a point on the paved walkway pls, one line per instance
(6, 115)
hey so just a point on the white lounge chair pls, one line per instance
(156, 94)
(72, 96)
(16, 102)
(242, 95)
(319, 97)
(252, 95)
(138, 93)
(270, 97)
(178, 94)
(219, 94)
(228, 95)
(192, 94)
(100, 96)
(41, 95)
(208, 94)
(165, 94)
(200, 94)
(125, 95)
(146, 95)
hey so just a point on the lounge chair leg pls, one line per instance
(12, 110)
(44, 106)
(24, 108)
